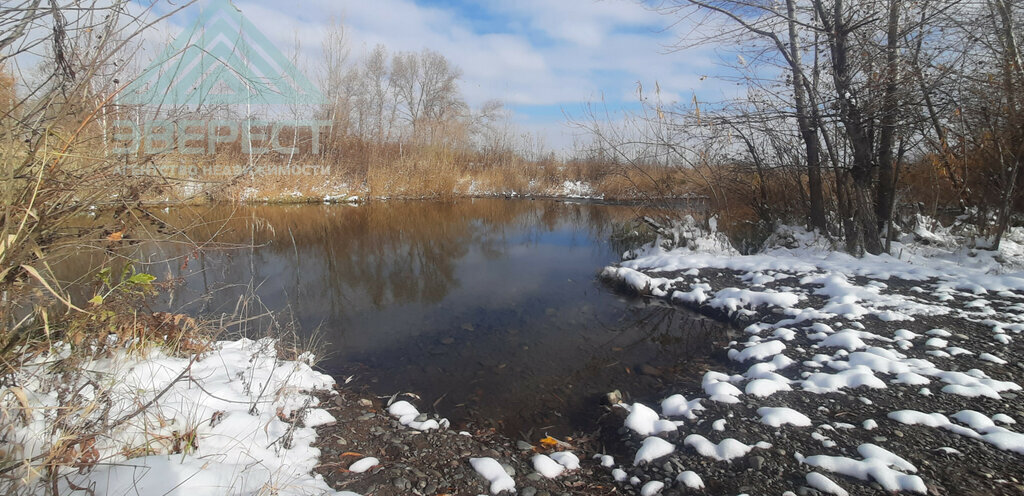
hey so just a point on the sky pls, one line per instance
(543, 58)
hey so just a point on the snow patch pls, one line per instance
(653, 448)
(490, 469)
(777, 417)
(726, 450)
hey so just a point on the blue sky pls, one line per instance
(541, 57)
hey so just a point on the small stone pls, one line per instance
(614, 397)
(365, 402)
(529, 491)
(897, 433)
(755, 462)
(401, 483)
(509, 469)
(650, 370)
(523, 446)
(448, 341)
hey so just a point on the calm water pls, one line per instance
(490, 310)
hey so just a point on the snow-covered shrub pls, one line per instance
(115, 399)
(797, 237)
(688, 234)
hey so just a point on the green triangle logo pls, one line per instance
(222, 60)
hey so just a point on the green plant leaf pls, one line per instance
(97, 300)
(141, 278)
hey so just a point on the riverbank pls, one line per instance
(851, 376)
(854, 375)
(618, 186)
(383, 446)
(135, 418)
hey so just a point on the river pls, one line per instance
(489, 310)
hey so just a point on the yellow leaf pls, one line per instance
(551, 443)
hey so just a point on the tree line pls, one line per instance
(847, 109)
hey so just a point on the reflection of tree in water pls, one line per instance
(335, 260)
(395, 252)
(351, 268)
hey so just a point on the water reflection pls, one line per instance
(389, 254)
(488, 308)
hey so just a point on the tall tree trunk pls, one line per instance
(890, 113)
(865, 221)
(854, 242)
(1012, 154)
(807, 126)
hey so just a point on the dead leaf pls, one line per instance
(216, 418)
(19, 394)
(552, 443)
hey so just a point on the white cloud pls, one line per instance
(567, 52)
(526, 52)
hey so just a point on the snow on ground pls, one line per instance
(363, 464)
(876, 465)
(690, 479)
(806, 300)
(490, 469)
(547, 467)
(575, 189)
(238, 421)
(825, 485)
(724, 451)
(652, 449)
(410, 417)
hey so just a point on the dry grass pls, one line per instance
(352, 166)
(52, 354)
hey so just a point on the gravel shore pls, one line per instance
(858, 381)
